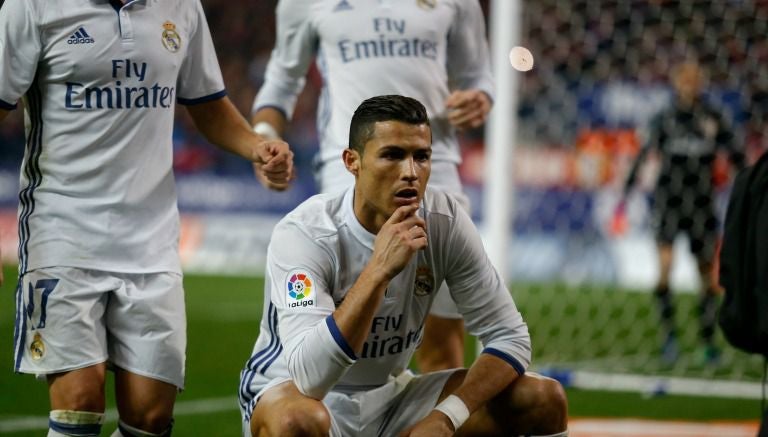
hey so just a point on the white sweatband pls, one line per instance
(455, 409)
(266, 130)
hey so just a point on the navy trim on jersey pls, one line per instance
(251, 365)
(506, 357)
(19, 328)
(340, 340)
(7, 106)
(276, 108)
(32, 172)
(204, 99)
(75, 429)
(275, 350)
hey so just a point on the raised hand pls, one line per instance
(273, 164)
(398, 239)
(467, 109)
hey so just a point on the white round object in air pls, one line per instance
(521, 58)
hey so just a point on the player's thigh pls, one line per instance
(282, 408)
(147, 326)
(60, 322)
(78, 390)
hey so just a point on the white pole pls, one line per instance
(500, 133)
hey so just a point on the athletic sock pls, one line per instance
(708, 316)
(74, 423)
(663, 298)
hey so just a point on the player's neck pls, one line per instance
(367, 214)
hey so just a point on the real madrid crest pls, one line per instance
(426, 4)
(424, 283)
(171, 39)
(37, 348)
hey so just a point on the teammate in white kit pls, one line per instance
(100, 283)
(431, 50)
(350, 279)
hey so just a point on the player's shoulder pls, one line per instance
(313, 218)
(439, 204)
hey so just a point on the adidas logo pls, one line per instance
(80, 37)
(342, 6)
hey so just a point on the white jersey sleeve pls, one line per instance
(20, 47)
(291, 58)
(482, 298)
(468, 59)
(300, 274)
(200, 77)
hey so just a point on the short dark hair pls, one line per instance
(383, 108)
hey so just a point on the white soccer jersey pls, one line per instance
(365, 48)
(100, 81)
(315, 256)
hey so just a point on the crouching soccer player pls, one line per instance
(100, 280)
(350, 281)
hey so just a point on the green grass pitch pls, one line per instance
(223, 314)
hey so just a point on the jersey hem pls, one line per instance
(7, 106)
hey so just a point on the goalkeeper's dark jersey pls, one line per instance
(687, 139)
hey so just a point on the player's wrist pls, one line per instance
(266, 130)
(455, 409)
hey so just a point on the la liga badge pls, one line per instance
(299, 289)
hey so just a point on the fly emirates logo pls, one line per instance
(387, 339)
(392, 42)
(127, 91)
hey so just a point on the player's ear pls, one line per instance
(351, 159)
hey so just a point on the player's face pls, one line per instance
(393, 171)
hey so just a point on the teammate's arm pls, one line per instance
(273, 117)
(221, 123)
(396, 243)
(469, 68)
(270, 123)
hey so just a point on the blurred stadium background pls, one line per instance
(601, 71)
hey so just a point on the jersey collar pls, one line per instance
(360, 233)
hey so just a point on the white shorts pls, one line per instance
(70, 318)
(383, 411)
(332, 177)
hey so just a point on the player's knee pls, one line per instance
(157, 420)
(553, 403)
(311, 421)
(540, 400)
